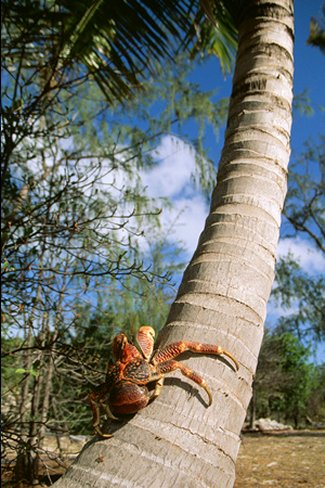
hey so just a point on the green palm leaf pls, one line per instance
(118, 42)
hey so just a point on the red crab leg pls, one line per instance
(173, 350)
(172, 365)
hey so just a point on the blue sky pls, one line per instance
(309, 73)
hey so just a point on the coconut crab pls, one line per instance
(125, 389)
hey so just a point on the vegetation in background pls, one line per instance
(285, 380)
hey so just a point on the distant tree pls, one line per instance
(299, 377)
(304, 205)
(316, 401)
(284, 379)
(300, 296)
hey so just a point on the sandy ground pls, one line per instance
(292, 460)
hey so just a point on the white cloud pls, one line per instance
(183, 221)
(175, 164)
(308, 257)
(276, 310)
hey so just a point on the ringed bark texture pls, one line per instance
(177, 441)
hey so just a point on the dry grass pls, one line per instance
(286, 460)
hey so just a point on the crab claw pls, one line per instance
(146, 339)
(99, 432)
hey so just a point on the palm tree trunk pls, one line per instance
(178, 441)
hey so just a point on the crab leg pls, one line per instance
(157, 390)
(95, 405)
(172, 365)
(175, 349)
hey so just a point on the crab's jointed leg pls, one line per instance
(157, 390)
(95, 404)
(172, 365)
(175, 349)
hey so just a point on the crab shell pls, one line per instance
(127, 398)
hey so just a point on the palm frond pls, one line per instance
(219, 34)
(118, 42)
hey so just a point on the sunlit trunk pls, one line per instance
(178, 441)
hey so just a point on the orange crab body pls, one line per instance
(125, 390)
